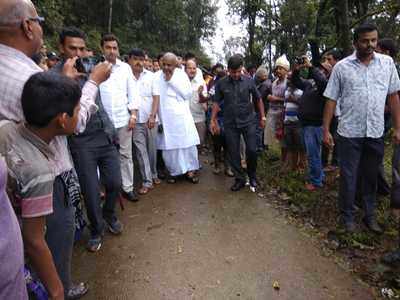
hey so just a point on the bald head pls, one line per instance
(20, 26)
(191, 68)
(169, 63)
(170, 58)
(14, 11)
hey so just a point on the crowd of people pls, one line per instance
(74, 126)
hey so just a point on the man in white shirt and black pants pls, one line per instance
(145, 132)
(121, 104)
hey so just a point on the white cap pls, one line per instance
(283, 62)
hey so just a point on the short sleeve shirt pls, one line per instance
(360, 92)
(31, 168)
(238, 97)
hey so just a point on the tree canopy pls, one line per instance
(296, 27)
(154, 25)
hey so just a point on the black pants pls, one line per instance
(219, 143)
(359, 161)
(232, 138)
(106, 159)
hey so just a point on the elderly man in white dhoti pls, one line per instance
(178, 136)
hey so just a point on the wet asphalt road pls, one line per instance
(202, 241)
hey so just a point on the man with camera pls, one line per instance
(311, 108)
(92, 150)
(21, 36)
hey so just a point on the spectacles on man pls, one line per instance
(38, 19)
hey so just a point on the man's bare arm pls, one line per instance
(329, 111)
(394, 105)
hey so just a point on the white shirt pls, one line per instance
(119, 95)
(144, 85)
(174, 112)
(198, 109)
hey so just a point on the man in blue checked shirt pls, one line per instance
(359, 85)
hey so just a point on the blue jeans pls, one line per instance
(60, 232)
(312, 137)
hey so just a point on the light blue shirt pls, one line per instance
(360, 92)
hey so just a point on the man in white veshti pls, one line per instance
(178, 137)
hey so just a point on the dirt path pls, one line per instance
(188, 241)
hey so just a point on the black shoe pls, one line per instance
(171, 179)
(253, 185)
(77, 291)
(130, 196)
(115, 226)
(238, 185)
(373, 226)
(392, 258)
(350, 227)
(94, 243)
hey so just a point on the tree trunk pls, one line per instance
(315, 43)
(342, 26)
(110, 16)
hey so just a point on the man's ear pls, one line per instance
(61, 48)
(27, 29)
(62, 120)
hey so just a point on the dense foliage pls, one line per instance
(155, 25)
(295, 27)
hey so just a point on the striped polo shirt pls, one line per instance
(31, 168)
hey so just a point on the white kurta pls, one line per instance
(179, 137)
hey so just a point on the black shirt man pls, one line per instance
(237, 93)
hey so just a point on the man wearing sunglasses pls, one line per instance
(21, 37)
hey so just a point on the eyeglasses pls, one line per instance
(39, 20)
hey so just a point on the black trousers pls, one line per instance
(219, 144)
(359, 162)
(106, 159)
(232, 139)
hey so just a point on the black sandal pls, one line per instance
(192, 178)
(171, 180)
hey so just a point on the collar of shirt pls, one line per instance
(240, 78)
(353, 57)
(16, 54)
(36, 141)
(144, 73)
(118, 63)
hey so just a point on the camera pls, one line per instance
(300, 60)
(86, 64)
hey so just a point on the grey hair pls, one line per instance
(261, 71)
(170, 55)
(14, 12)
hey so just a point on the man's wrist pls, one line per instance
(263, 118)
